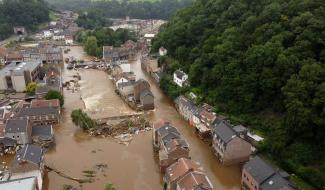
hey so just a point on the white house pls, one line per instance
(180, 78)
(47, 34)
(162, 51)
(121, 80)
(149, 37)
(68, 40)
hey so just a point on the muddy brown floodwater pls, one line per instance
(130, 167)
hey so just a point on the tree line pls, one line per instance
(27, 13)
(94, 40)
(161, 9)
(263, 62)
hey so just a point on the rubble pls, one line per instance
(122, 131)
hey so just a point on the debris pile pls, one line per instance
(124, 130)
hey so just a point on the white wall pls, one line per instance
(19, 83)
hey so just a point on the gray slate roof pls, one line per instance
(37, 111)
(146, 92)
(277, 182)
(259, 169)
(16, 126)
(44, 131)
(30, 153)
(182, 100)
(170, 136)
(224, 131)
(165, 129)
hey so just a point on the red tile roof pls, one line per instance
(180, 168)
(194, 179)
(45, 103)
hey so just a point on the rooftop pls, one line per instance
(16, 126)
(224, 131)
(29, 153)
(37, 111)
(19, 184)
(37, 103)
(180, 168)
(194, 180)
(19, 68)
(45, 132)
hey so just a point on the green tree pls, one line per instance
(109, 187)
(53, 94)
(91, 45)
(31, 88)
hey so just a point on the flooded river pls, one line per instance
(131, 167)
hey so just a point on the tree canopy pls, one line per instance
(250, 57)
(160, 9)
(53, 94)
(27, 13)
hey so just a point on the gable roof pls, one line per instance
(36, 103)
(195, 180)
(146, 92)
(37, 111)
(16, 126)
(30, 153)
(259, 169)
(277, 182)
(224, 131)
(179, 74)
(45, 131)
(180, 168)
(175, 143)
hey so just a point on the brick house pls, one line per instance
(179, 169)
(194, 181)
(258, 174)
(228, 147)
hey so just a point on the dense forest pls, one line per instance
(263, 63)
(94, 40)
(161, 9)
(27, 13)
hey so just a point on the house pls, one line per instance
(160, 129)
(162, 51)
(194, 181)
(169, 143)
(147, 100)
(19, 130)
(39, 103)
(228, 147)
(126, 89)
(3, 55)
(173, 147)
(114, 54)
(28, 183)
(178, 170)
(149, 64)
(42, 135)
(125, 77)
(14, 56)
(139, 86)
(47, 34)
(16, 76)
(51, 54)
(258, 174)
(29, 162)
(157, 75)
(40, 115)
(148, 37)
(185, 107)
(58, 36)
(68, 40)
(180, 78)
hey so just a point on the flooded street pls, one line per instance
(131, 167)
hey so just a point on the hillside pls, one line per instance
(142, 9)
(261, 62)
(27, 13)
